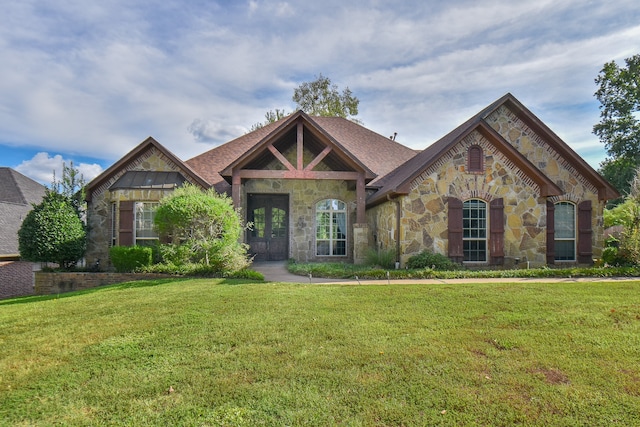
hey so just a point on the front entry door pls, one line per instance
(269, 239)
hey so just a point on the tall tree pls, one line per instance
(270, 116)
(318, 98)
(72, 186)
(619, 126)
(322, 98)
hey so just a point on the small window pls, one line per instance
(474, 230)
(331, 228)
(259, 223)
(145, 234)
(114, 228)
(475, 159)
(565, 231)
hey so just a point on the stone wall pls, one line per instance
(99, 213)
(303, 196)
(424, 210)
(47, 283)
(424, 219)
(382, 226)
(16, 279)
(542, 154)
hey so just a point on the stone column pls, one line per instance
(360, 242)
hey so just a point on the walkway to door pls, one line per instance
(276, 271)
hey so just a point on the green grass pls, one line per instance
(205, 352)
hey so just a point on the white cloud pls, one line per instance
(43, 168)
(96, 78)
(210, 131)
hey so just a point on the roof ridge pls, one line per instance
(14, 184)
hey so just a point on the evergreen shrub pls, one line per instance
(126, 259)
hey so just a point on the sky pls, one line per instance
(86, 81)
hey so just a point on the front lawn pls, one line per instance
(204, 352)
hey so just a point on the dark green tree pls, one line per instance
(203, 228)
(322, 98)
(619, 127)
(318, 98)
(53, 232)
(270, 116)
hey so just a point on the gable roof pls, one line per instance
(398, 181)
(605, 190)
(132, 156)
(363, 148)
(18, 194)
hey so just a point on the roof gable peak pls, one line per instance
(133, 155)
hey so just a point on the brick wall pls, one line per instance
(16, 279)
(47, 283)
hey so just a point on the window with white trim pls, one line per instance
(331, 228)
(144, 213)
(474, 230)
(565, 231)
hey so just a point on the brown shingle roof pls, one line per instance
(373, 151)
(379, 153)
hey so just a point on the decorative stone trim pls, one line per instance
(515, 120)
(487, 147)
(569, 197)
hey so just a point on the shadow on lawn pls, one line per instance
(121, 286)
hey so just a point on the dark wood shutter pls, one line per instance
(585, 246)
(496, 232)
(475, 158)
(551, 233)
(125, 232)
(456, 252)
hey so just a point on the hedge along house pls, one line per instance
(500, 188)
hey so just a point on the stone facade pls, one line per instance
(423, 223)
(104, 206)
(303, 196)
(576, 188)
(503, 156)
(424, 211)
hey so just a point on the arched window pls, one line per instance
(474, 230)
(475, 159)
(331, 228)
(565, 231)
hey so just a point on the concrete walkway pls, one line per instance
(276, 271)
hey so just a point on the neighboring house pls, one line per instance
(18, 194)
(500, 188)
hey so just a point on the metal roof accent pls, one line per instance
(148, 180)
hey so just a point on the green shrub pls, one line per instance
(52, 232)
(205, 229)
(385, 258)
(426, 259)
(126, 259)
